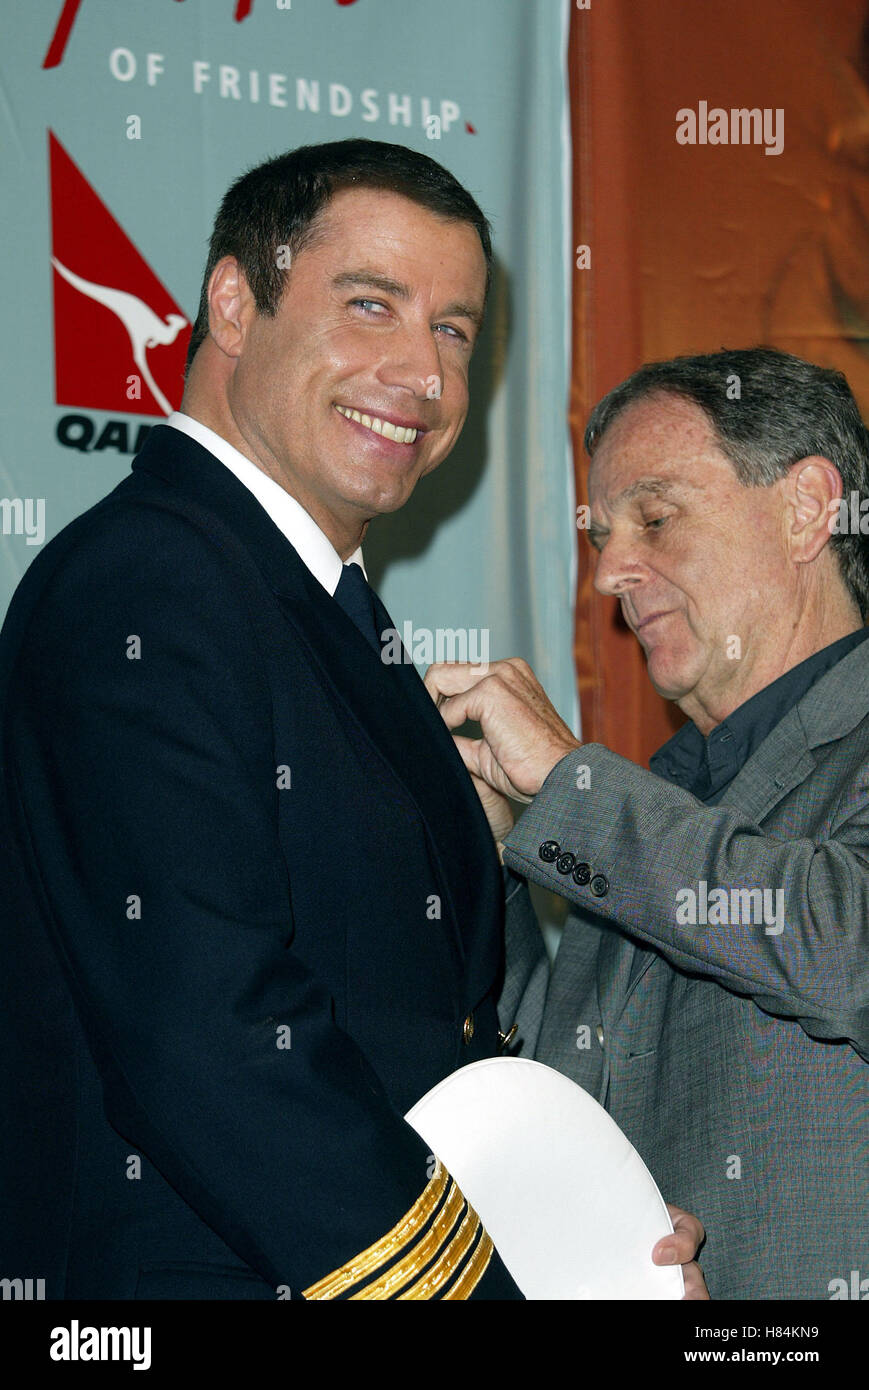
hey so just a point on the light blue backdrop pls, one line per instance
(488, 541)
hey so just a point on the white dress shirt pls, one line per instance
(314, 548)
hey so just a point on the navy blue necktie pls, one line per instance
(355, 597)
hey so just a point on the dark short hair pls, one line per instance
(767, 410)
(277, 203)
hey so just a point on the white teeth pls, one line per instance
(400, 433)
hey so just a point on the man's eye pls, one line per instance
(655, 522)
(370, 305)
(453, 332)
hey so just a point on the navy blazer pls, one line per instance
(253, 912)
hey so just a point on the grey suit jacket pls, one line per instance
(733, 1053)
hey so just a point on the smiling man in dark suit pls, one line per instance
(257, 910)
(271, 919)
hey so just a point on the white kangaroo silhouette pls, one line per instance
(146, 330)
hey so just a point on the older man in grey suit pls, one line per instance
(712, 984)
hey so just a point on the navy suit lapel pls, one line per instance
(388, 703)
(394, 711)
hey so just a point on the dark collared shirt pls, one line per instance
(707, 766)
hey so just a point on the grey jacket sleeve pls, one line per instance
(655, 856)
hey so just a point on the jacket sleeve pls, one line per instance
(651, 855)
(140, 742)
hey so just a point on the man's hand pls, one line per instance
(680, 1249)
(497, 809)
(523, 736)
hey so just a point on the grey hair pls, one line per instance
(767, 410)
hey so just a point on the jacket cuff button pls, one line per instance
(581, 874)
(600, 885)
(549, 851)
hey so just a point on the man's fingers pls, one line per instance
(468, 703)
(688, 1229)
(695, 1284)
(469, 750)
(445, 678)
(680, 1249)
(524, 737)
(688, 1235)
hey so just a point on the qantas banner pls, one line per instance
(123, 122)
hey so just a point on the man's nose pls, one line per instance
(413, 361)
(619, 567)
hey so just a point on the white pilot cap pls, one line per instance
(570, 1205)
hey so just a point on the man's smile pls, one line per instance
(379, 424)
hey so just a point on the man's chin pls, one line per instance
(390, 496)
(668, 675)
(386, 502)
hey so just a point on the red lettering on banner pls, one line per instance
(63, 29)
(57, 47)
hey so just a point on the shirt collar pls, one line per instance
(706, 766)
(313, 547)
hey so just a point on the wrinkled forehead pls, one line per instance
(659, 441)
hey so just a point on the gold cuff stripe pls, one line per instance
(473, 1270)
(387, 1285)
(381, 1252)
(443, 1269)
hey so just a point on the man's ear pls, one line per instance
(230, 305)
(814, 489)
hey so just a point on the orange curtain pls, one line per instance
(698, 247)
